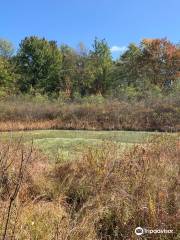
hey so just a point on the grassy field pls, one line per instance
(68, 143)
(96, 194)
(110, 183)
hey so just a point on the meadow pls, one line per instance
(69, 143)
(91, 185)
(72, 170)
(89, 142)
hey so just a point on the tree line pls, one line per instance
(41, 66)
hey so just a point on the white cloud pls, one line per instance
(118, 49)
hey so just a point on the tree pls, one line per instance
(101, 62)
(6, 48)
(159, 61)
(7, 68)
(84, 71)
(77, 71)
(154, 63)
(68, 70)
(7, 77)
(39, 63)
(130, 66)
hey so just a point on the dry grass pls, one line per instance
(158, 115)
(112, 196)
(101, 196)
(28, 125)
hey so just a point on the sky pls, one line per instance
(74, 21)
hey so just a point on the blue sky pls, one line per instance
(73, 21)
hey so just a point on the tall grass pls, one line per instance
(23, 114)
(103, 195)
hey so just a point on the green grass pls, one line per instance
(68, 143)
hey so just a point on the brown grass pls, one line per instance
(157, 115)
(28, 125)
(101, 195)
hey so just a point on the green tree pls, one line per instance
(85, 73)
(126, 74)
(6, 48)
(68, 71)
(7, 69)
(130, 65)
(77, 71)
(39, 63)
(101, 62)
(7, 77)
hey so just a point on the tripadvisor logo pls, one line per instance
(140, 231)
